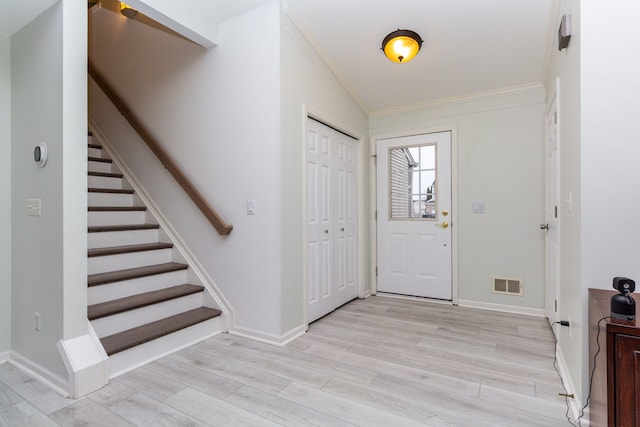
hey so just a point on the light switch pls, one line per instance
(251, 207)
(477, 207)
(33, 207)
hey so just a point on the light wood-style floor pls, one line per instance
(375, 362)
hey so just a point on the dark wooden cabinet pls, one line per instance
(615, 392)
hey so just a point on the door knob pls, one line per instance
(544, 226)
(326, 231)
(443, 225)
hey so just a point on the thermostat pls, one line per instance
(40, 154)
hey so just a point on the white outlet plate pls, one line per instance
(34, 207)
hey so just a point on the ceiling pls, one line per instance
(470, 46)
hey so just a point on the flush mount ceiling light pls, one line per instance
(127, 10)
(401, 45)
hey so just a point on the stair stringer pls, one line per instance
(212, 297)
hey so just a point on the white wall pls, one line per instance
(500, 162)
(610, 151)
(5, 196)
(217, 113)
(306, 81)
(48, 101)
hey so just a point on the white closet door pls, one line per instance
(331, 219)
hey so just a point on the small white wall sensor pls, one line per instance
(40, 154)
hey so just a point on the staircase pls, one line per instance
(144, 299)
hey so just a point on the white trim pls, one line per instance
(456, 100)
(503, 308)
(575, 404)
(228, 313)
(270, 338)
(39, 373)
(4, 357)
(311, 112)
(373, 230)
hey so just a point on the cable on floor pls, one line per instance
(593, 370)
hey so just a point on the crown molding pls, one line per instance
(324, 56)
(456, 100)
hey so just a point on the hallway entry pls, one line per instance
(414, 215)
(331, 219)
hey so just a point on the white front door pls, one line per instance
(414, 215)
(331, 219)
(551, 212)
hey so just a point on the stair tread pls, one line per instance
(125, 249)
(130, 338)
(116, 208)
(133, 227)
(100, 159)
(134, 273)
(111, 190)
(133, 302)
(106, 174)
(96, 146)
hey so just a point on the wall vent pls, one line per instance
(507, 285)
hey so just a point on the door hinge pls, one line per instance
(375, 214)
(376, 271)
(555, 118)
(555, 212)
(556, 306)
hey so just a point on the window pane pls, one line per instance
(412, 182)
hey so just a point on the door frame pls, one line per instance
(332, 122)
(373, 196)
(554, 104)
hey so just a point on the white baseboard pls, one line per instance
(4, 357)
(575, 404)
(39, 373)
(504, 308)
(269, 338)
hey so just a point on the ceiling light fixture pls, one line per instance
(401, 45)
(128, 11)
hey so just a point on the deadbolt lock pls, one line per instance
(445, 213)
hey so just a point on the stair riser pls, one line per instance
(97, 152)
(102, 264)
(126, 288)
(127, 360)
(99, 167)
(121, 238)
(105, 182)
(116, 218)
(121, 322)
(110, 199)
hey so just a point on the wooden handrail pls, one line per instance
(207, 210)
